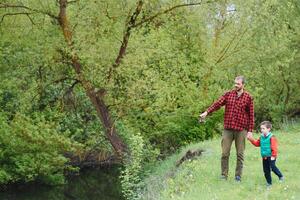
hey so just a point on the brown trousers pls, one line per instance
(227, 139)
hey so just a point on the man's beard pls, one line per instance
(238, 89)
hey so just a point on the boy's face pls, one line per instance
(264, 129)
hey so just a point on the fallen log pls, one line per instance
(189, 155)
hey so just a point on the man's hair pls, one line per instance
(267, 124)
(241, 78)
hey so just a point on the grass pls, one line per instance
(199, 179)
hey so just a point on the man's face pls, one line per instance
(238, 85)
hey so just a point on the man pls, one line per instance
(238, 120)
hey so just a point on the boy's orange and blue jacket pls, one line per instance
(268, 145)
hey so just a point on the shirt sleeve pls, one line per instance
(255, 142)
(251, 115)
(218, 104)
(274, 146)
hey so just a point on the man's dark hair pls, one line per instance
(267, 124)
(241, 78)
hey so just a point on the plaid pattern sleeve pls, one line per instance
(218, 104)
(239, 110)
(251, 115)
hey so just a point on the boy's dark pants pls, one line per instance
(269, 165)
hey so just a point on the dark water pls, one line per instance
(91, 184)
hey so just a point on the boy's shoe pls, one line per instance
(281, 179)
(223, 177)
(238, 179)
(269, 185)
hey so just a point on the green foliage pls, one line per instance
(199, 178)
(130, 175)
(180, 128)
(32, 149)
(132, 169)
(174, 67)
(140, 154)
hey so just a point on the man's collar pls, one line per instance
(236, 92)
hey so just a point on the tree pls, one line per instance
(71, 55)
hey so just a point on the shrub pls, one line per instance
(31, 150)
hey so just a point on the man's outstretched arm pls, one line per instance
(214, 107)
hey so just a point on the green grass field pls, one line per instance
(199, 179)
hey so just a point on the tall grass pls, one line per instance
(199, 179)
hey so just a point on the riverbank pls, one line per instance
(199, 178)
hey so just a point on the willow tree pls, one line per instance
(90, 37)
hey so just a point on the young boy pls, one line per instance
(268, 149)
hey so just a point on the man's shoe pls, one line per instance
(238, 179)
(269, 186)
(223, 177)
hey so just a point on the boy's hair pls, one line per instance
(267, 124)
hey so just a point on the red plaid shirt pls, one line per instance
(239, 111)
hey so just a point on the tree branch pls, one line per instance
(74, 1)
(18, 13)
(106, 12)
(165, 11)
(228, 45)
(4, 5)
(133, 24)
(70, 89)
(286, 82)
(64, 79)
(130, 25)
(61, 80)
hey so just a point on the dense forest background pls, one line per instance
(131, 77)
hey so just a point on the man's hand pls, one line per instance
(249, 135)
(273, 158)
(202, 116)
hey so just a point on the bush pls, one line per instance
(31, 150)
(181, 128)
(133, 170)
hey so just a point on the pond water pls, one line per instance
(90, 184)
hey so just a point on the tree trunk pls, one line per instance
(96, 99)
